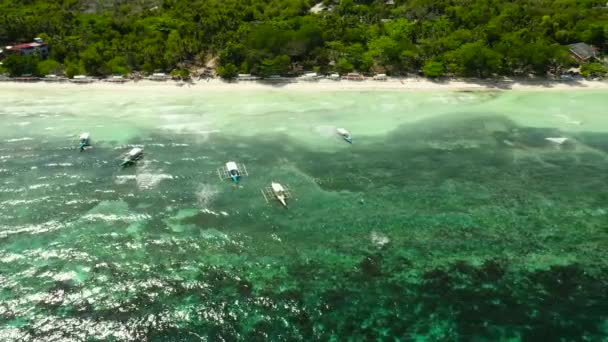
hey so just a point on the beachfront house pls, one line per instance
(37, 47)
(582, 52)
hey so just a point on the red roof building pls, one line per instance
(38, 46)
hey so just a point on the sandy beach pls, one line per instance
(396, 84)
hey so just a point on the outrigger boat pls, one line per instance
(345, 135)
(278, 191)
(558, 141)
(232, 170)
(132, 156)
(85, 141)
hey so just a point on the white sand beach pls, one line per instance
(396, 84)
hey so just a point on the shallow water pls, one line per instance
(450, 217)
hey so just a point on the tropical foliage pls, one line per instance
(462, 37)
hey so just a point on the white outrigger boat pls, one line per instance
(345, 135)
(278, 191)
(232, 170)
(85, 141)
(558, 141)
(132, 156)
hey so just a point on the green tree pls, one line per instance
(410, 60)
(174, 48)
(117, 66)
(595, 35)
(475, 59)
(228, 71)
(92, 60)
(73, 68)
(508, 36)
(275, 66)
(593, 70)
(344, 66)
(49, 66)
(182, 73)
(384, 50)
(18, 65)
(433, 69)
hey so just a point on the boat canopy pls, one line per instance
(135, 152)
(558, 141)
(84, 136)
(342, 131)
(276, 187)
(231, 166)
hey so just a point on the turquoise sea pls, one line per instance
(450, 217)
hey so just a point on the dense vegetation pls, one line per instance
(462, 37)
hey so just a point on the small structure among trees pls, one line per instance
(582, 52)
(37, 47)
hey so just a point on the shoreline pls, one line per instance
(393, 84)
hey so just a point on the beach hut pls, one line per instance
(582, 52)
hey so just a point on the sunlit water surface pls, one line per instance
(450, 217)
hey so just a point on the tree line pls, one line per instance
(471, 38)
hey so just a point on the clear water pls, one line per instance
(450, 217)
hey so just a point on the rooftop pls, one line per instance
(582, 50)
